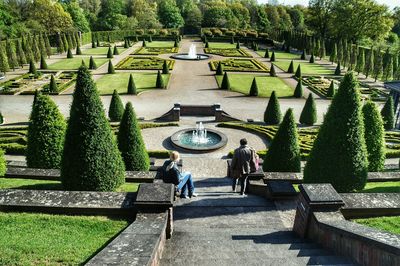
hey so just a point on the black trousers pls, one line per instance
(243, 183)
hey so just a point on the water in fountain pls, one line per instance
(199, 136)
(192, 52)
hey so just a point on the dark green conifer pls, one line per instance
(308, 115)
(115, 52)
(126, 45)
(69, 54)
(220, 69)
(333, 55)
(388, 114)
(303, 55)
(160, 83)
(43, 64)
(206, 45)
(331, 90)
(237, 45)
(78, 50)
(291, 67)
(298, 91)
(254, 88)
(225, 85)
(20, 54)
(53, 88)
(338, 71)
(116, 109)
(110, 68)
(312, 59)
(298, 72)
(92, 63)
(176, 44)
(144, 43)
(109, 53)
(12, 57)
(272, 114)
(32, 68)
(131, 86)
(272, 71)
(165, 68)
(273, 56)
(266, 55)
(3, 60)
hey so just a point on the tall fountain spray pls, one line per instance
(199, 135)
(192, 51)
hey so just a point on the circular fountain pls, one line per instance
(192, 55)
(199, 139)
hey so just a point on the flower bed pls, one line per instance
(143, 63)
(227, 52)
(155, 50)
(240, 65)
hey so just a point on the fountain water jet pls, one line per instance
(192, 55)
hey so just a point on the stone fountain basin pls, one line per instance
(175, 139)
(186, 57)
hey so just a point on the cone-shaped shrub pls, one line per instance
(43, 64)
(220, 69)
(69, 54)
(291, 67)
(165, 68)
(273, 56)
(144, 43)
(266, 55)
(339, 154)
(78, 50)
(32, 68)
(116, 109)
(46, 134)
(273, 115)
(283, 154)
(2, 163)
(109, 53)
(92, 63)
(225, 84)
(254, 88)
(272, 72)
(53, 85)
(98, 41)
(160, 81)
(298, 72)
(338, 71)
(238, 45)
(150, 39)
(111, 69)
(374, 137)
(126, 44)
(93, 43)
(176, 45)
(331, 90)
(83, 63)
(232, 40)
(312, 59)
(388, 114)
(131, 86)
(308, 115)
(303, 55)
(130, 142)
(206, 45)
(115, 52)
(91, 159)
(1, 118)
(298, 91)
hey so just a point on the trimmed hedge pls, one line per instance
(240, 65)
(116, 109)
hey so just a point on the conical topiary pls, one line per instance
(3, 167)
(272, 114)
(266, 55)
(116, 109)
(91, 159)
(32, 68)
(160, 81)
(273, 56)
(92, 63)
(388, 114)
(298, 72)
(83, 63)
(93, 43)
(331, 90)
(1, 118)
(126, 44)
(312, 59)
(303, 55)
(111, 69)
(308, 115)
(109, 53)
(98, 42)
(291, 67)
(283, 154)
(220, 69)
(46, 134)
(78, 50)
(254, 88)
(225, 84)
(131, 86)
(338, 71)
(165, 68)
(130, 142)
(115, 52)
(53, 85)
(374, 137)
(206, 45)
(238, 45)
(232, 40)
(43, 64)
(298, 91)
(272, 72)
(69, 54)
(339, 154)
(176, 45)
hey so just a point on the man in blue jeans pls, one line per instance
(182, 181)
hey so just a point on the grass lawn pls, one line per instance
(75, 63)
(160, 44)
(382, 187)
(101, 50)
(306, 67)
(42, 239)
(280, 55)
(390, 224)
(119, 81)
(221, 45)
(266, 84)
(15, 183)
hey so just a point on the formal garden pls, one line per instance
(95, 96)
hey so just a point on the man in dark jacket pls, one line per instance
(242, 164)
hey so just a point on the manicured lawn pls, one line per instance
(280, 55)
(119, 81)
(390, 224)
(382, 187)
(266, 84)
(42, 239)
(221, 45)
(76, 62)
(159, 44)
(101, 50)
(306, 67)
(15, 183)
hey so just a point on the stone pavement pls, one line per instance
(223, 228)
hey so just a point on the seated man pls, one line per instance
(172, 174)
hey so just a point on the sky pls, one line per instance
(390, 3)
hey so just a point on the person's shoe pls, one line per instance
(242, 194)
(193, 195)
(234, 190)
(183, 197)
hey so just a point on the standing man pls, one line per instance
(243, 163)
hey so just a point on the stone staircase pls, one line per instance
(223, 228)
